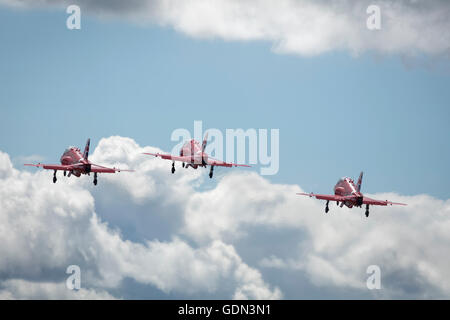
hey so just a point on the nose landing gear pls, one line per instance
(211, 172)
(326, 207)
(173, 167)
(95, 178)
(54, 177)
(367, 210)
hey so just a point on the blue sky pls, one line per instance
(337, 113)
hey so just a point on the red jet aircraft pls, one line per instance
(193, 155)
(76, 163)
(350, 195)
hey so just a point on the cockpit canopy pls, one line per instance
(71, 148)
(192, 144)
(345, 179)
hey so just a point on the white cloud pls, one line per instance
(15, 289)
(238, 201)
(46, 227)
(150, 179)
(5, 166)
(339, 246)
(176, 266)
(303, 27)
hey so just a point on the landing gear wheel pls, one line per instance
(211, 172)
(367, 210)
(173, 168)
(182, 164)
(54, 179)
(326, 207)
(95, 178)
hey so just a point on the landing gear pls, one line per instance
(54, 177)
(367, 210)
(182, 164)
(95, 178)
(326, 207)
(173, 167)
(211, 172)
(65, 173)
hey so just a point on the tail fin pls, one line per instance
(205, 141)
(86, 149)
(358, 185)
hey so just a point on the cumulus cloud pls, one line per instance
(303, 27)
(150, 178)
(45, 227)
(338, 247)
(222, 242)
(18, 289)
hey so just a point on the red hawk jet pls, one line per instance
(76, 163)
(350, 195)
(193, 155)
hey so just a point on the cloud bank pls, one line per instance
(164, 233)
(302, 27)
(45, 228)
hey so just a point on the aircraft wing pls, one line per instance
(170, 157)
(59, 167)
(373, 202)
(219, 163)
(100, 169)
(328, 197)
(51, 166)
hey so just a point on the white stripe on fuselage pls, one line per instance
(352, 186)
